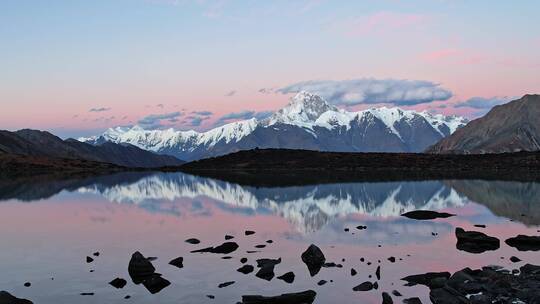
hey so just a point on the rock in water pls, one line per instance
(524, 242)
(245, 269)
(314, 259)
(366, 286)
(155, 283)
(140, 268)
(89, 259)
(430, 279)
(426, 215)
(412, 301)
(386, 298)
(118, 283)
(222, 285)
(178, 262)
(305, 297)
(266, 271)
(475, 242)
(287, 277)
(193, 241)
(249, 232)
(224, 248)
(7, 298)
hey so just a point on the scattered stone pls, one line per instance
(27, 284)
(118, 283)
(414, 300)
(193, 241)
(151, 258)
(378, 273)
(366, 286)
(7, 298)
(426, 215)
(434, 234)
(89, 259)
(362, 260)
(91, 270)
(155, 283)
(305, 297)
(480, 226)
(314, 259)
(127, 297)
(86, 293)
(266, 271)
(269, 241)
(210, 296)
(140, 268)
(361, 227)
(243, 260)
(396, 293)
(222, 285)
(228, 257)
(332, 265)
(392, 259)
(228, 237)
(346, 229)
(246, 269)
(321, 282)
(430, 279)
(524, 242)
(514, 259)
(224, 248)
(475, 242)
(287, 277)
(249, 232)
(252, 251)
(178, 262)
(353, 272)
(260, 246)
(386, 298)
(96, 254)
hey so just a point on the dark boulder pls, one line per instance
(224, 248)
(524, 242)
(155, 283)
(314, 259)
(140, 268)
(118, 283)
(266, 271)
(426, 215)
(386, 298)
(305, 297)
(193, 241)
(178, 262)
(245, 269)
(366, 286)
(287, 277)
(430, 279)
(475, 242)
(7, 298)
(222, 285)
(414, 300)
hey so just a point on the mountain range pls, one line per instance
(510, 127)
(36, 143)
(306, 122)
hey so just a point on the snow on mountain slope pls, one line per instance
(307, 113)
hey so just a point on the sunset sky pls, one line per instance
(77, 67)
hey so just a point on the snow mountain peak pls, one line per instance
(306, 122)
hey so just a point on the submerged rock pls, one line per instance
(266, 271)
(366, 286)
(7, 298)
(475, 242)
(414, 300)
(192, 241)
(287, 277)
(524, 242)
(246, 269)
(426, 215)
(386, 298)
(305, 297)
(155, 283)
(178, 262)
(118, 283)
(314, 259)
(224, 248)
(430, 279)
(222, 285)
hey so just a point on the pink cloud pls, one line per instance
(455, 56)
(384, 22)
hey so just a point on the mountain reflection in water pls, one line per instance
(308, 207)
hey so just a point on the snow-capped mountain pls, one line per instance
(307, 122)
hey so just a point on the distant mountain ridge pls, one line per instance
(511, 127)
(307, 122)
(44, 144)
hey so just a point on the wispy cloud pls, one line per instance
(99, 109)
(242, 115)
(384, 22)
(155, 120)
(372, 91)
(202, 113)
(267, 90)
(231, 93)
(484, 102)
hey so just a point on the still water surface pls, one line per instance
(47, 230)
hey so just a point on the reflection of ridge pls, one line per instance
(307, 207)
